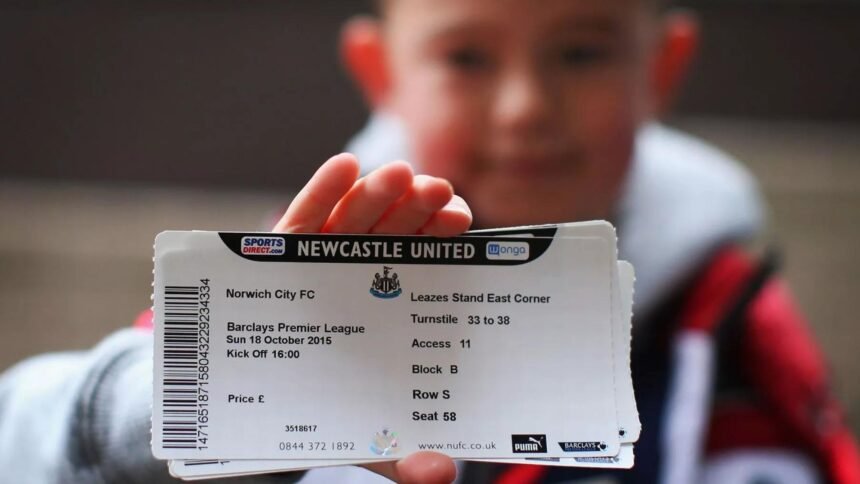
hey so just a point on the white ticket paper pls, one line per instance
(202, 469)
(360, 347)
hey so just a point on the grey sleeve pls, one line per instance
(84, 417)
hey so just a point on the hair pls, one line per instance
(378, 6)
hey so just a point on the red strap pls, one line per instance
(521, 474)
(786, 366)
(739, 425)
(715, 289)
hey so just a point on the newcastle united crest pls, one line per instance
(385, 286)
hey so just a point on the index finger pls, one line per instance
(312, 206)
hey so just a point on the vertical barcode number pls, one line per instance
(185, 404)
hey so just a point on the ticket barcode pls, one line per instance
(181, 336)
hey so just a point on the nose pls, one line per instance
(523, 101)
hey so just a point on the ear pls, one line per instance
(363, 52)
(678, 46)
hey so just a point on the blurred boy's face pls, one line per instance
(528, 107)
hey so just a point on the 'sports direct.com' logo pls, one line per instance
(260, 245)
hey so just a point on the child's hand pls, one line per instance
(423, 467)
(389, 200)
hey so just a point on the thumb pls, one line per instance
(418, 468)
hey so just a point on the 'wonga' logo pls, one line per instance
(529, 443)
(385, 286)
(260, 245)
(508, 250)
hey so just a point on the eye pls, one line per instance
(468, 59)
(583, 55)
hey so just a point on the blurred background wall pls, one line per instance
(121, 119)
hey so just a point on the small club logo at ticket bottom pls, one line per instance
(384, 442)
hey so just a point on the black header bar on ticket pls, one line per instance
(376, 249)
